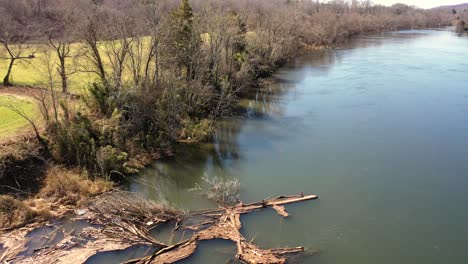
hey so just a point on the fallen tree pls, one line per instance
(221, 223)
(120, 220)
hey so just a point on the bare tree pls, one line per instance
(60, 38)
(92, 33)
(63, 53)
(120, 39)
(47, 98)
(14, 38)
(144, 52)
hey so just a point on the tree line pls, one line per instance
(165, 70)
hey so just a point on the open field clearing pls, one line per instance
(34, 72)
(10, 122)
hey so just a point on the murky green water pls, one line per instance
(378, 129)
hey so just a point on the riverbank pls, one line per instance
(34, 190)
(30, 175)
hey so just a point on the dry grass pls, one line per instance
(61, 190)
(15, 213)
(18, 148)
(131, 207)
(71, 188)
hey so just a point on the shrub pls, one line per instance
(112, 160)
(74, 142)
(100, 99)
(223, 191)
(196, 131)
(69, 187)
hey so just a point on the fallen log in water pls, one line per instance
(121, 220)
(227, 226)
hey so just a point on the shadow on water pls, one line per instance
(462, 34)
(51, 235)
(214, 251)
(166, 234)
(121, 256)
(174, 177)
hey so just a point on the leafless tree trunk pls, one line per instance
(63, 52)
(14, 54)
(14, 37)
(6, 79)
(47, 61)
(92, 34)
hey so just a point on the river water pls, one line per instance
(377, 128)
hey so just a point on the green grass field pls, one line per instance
(33, 72)
(10, 122)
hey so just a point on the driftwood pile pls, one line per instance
(220, 223)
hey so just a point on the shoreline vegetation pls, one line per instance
(155, 74)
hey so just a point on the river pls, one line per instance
(378, 128)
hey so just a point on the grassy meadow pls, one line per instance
(10, 122)
(34, 72)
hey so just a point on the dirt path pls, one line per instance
(20, 92)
